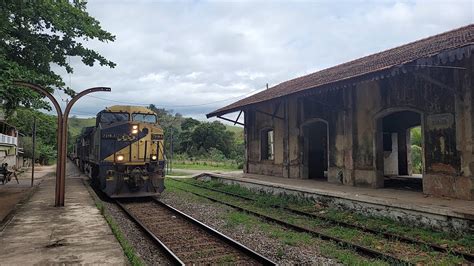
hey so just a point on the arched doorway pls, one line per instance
(399, 149)
(315, 149)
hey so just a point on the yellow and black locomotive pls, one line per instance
(124, 152)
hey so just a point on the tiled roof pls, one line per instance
(380, 61)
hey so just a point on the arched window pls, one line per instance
(267, 146)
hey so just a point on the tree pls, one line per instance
(36, 34)
(213, 135)
(189, 123)
(45, 124)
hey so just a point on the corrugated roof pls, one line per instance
(426, 47)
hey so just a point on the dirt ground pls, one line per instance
(13, 193)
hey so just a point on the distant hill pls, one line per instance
(76, 124)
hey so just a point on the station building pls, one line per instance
(353, 123)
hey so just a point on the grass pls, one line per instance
(461, 242)
(129, 251)
(264, 201)
(233, 219)
(291, 238)
(177, 173)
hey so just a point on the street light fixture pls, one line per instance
(61, 137)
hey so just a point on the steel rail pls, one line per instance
(235, 244)
(467, 256)
(360, 249)
(171, 256)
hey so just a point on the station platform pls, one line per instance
(14, 193)
(409, 206)
(42, 234)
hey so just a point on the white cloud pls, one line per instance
(206, 54)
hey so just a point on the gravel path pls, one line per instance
(212, 214)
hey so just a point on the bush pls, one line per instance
(416, 159)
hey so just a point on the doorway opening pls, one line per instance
(315, 150)
(400, 152)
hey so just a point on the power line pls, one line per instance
(174, 106)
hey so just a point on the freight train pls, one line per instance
(123, 153)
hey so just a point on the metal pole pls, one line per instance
(34, 150)
(171, 148)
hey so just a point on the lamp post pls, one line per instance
(61, 137)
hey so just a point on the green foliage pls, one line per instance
(189, 123)
(416, 159)
(416, 138)
(212, 135)
(416, 150)
(46, 153)
(200, 141)
(46, 124)
(22, 119)
(77, 124)
(37, 34)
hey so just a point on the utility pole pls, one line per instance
(34, 150)
(171, 148)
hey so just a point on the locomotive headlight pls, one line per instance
(120, 158)
(134, 129)
(154, 157)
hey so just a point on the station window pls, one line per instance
(267, 147)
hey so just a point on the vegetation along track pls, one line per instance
(186, 240)
(389, 255)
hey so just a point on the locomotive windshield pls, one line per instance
(147, 118)
(108, 118)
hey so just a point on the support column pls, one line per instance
(286, 140)
(349, 122)
(402, 152)
(246, 142)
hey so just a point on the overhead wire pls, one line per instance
(174, 106)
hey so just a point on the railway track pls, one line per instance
(359, 248)
(185, 240)
(387, 235)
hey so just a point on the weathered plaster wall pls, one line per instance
(367, 103)
(261, 122)
(293, 143)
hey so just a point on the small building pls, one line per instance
(8, 144)
(353, 124)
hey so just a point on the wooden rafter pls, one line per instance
(230, 120)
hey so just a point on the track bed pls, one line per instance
(188, 241)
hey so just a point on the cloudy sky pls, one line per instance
(197, 56)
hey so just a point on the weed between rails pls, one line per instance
(264, 201)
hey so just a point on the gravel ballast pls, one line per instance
(212, 214)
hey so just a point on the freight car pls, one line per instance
(123, 153)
